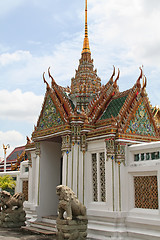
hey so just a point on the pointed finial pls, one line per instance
(86, 48)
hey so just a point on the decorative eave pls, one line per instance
(30, 147)
(63, 99)
(101, 132)
(50, 132)
(135, 137)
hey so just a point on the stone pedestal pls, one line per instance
(12, 219)
(72, 229)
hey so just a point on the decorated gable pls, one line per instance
(50, 116)
(141, 124)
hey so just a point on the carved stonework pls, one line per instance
(120, 152)
(69, 203)
(76, 133)
(38, 150)
(83, 143)
(74, 224)
(110, 148)
(66, 143)
(12, 213)
(29, 158)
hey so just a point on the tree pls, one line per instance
(6, 181)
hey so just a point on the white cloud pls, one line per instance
(27, 69)
(20, 106)
(125, 28)
(13, 138)
(18, 56)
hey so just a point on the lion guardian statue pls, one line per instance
(8, 202)
(69, 203)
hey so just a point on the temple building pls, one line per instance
(96, 140)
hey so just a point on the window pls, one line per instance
(142, 156)
(98, 177)
(146, 156)
(136, 157)
(146, 192)
(26, 169)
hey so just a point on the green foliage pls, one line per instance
(6, 181)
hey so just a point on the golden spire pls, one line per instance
(86, 48)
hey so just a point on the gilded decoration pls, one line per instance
(146, 192)
(141, 124)
(120, 152)
(50, 116)
(110, 147)
(66, 143)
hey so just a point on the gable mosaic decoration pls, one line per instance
(50, 116)
(141, 124)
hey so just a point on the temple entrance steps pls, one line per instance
(46, 226)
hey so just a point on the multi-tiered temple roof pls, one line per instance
(98, 110)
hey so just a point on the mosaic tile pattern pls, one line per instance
(94, 177)
(146, 192)
(140, 124)
(102, 177)
(113, 108)
(50, 116)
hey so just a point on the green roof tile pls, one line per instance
(113, 108)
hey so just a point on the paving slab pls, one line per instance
(19, 234)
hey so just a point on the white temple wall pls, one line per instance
(142, 220)
(73, 170)
(129, 220)
(125, 187)
(50, 167)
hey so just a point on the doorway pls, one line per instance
(50, 177)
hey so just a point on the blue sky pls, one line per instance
(36, 34)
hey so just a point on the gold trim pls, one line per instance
(86, 48)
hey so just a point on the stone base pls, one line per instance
(12, 219)
(72, 229)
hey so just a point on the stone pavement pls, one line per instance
(19, 234)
